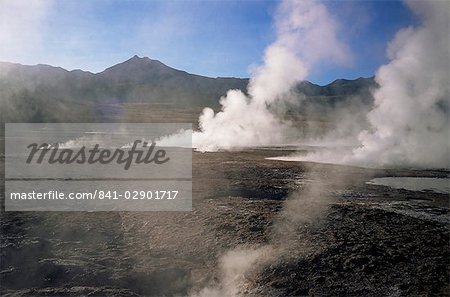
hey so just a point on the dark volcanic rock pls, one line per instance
(368, 241)
(368, 252)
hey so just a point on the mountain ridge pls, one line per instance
(33, 89)
(136, 58)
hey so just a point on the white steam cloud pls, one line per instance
(235, 266)
(410, 119)
(306, 35)
(411, 114)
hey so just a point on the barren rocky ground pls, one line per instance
(360, 240)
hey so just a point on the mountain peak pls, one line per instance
(137, 58)
(144, 60)
(138, 69)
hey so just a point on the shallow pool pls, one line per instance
(438, 185)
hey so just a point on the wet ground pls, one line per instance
(360, 240)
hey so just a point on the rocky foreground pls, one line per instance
(328, 233)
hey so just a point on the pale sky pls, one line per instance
(211, 38)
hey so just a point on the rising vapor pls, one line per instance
(306, 35)
(411, 116)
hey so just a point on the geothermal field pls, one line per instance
(298, 189)
(258, 228)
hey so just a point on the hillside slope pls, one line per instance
(44, 93)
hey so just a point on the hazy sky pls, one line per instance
(212, 38)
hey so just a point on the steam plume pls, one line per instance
(306, 35)
(411, 117)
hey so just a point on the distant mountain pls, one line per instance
(336, 96)
(140, 71)
(146, 80)
(47, 93)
